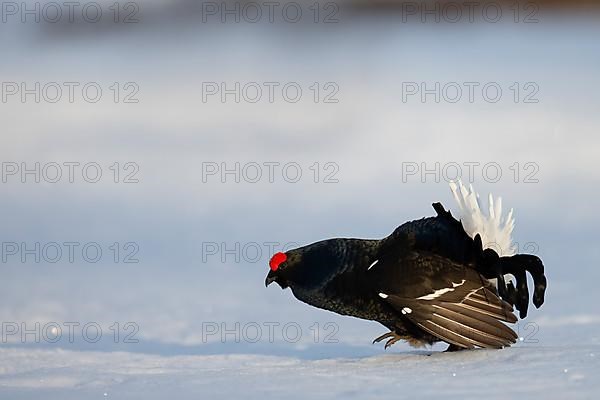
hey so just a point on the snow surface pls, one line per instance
(172, 292)
(558, 372)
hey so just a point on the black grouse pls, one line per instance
(428, 281)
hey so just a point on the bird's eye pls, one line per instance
(276, 260)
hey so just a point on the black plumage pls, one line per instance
(426, 282)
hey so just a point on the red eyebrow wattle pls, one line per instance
(276, 260)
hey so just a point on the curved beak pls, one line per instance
(271, 277)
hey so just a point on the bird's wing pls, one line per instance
(450, 301)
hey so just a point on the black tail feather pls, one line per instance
(490, 265)
(517, 265)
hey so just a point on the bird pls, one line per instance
(434, 279)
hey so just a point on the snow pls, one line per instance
(559, 372)
(174, 294)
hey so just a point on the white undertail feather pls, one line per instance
(495, 231)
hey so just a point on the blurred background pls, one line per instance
(156, 153)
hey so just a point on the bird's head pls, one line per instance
(305, 266)
(281, 268)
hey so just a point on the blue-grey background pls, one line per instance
(172, 293)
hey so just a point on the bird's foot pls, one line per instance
(394, 337)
